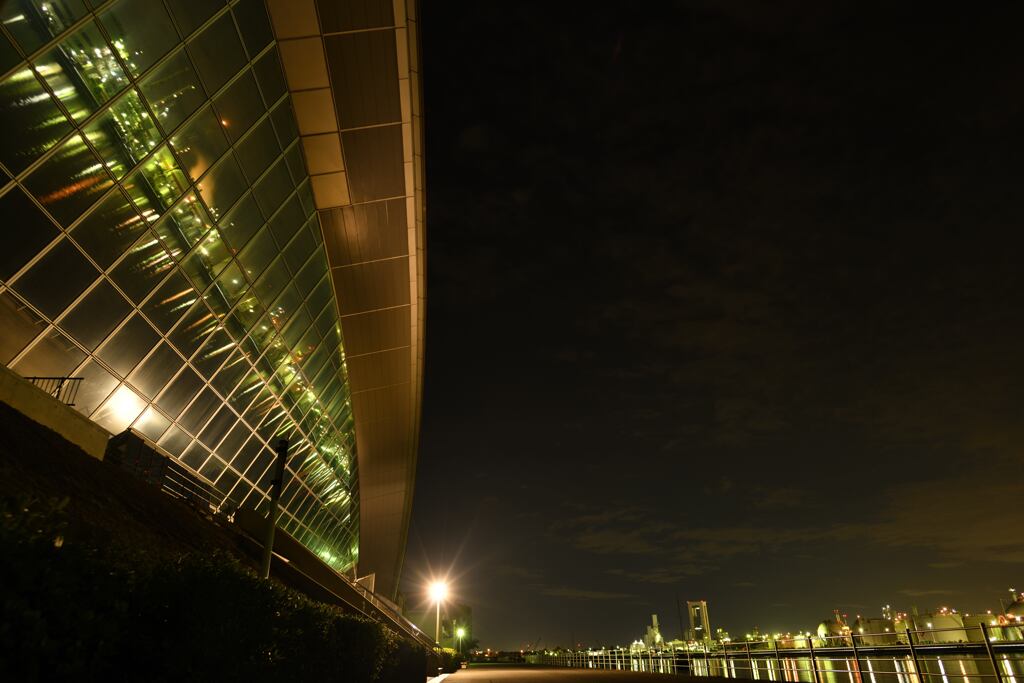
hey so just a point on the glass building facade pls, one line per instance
(161, 241)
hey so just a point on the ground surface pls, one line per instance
(538, 674)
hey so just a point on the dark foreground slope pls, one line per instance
(105, 578)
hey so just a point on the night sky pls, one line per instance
(725, 301)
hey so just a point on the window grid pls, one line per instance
(290, 411)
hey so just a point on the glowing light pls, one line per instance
(438, 591)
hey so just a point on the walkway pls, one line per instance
(491, 673)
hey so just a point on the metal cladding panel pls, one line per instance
(355, 15)
(384, 329)
(352, 69)
(374, 160)
(367, 232)
(364, 78)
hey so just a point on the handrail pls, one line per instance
(64, 389)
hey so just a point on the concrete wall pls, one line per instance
(36, 404)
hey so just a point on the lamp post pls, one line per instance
(460, 633)
(438, 592)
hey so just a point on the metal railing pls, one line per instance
(969, 654)
(64, 389)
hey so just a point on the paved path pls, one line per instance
(536, 674)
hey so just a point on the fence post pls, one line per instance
(913, 656)
(856, 657)
(750, 660)
(814, 664)
(991, 652)
(689, 664)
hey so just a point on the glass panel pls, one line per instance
(185, 224)
(109, 229)
(128, 345)
(174, 440)
(254, 25)
(288, 221)
(241, 223)
(151, 423)
(96, 385)
(173, 90)
(206, 260)
(141, 31)
(232, 283)
(258, 254)
(284, 123)
(195, 327)
(217, 53)
(123, 134)
(83, 58)
(308, 207)
(160, 179)
(298, 252)
(222, 186)
(213, 468)
(156, 371)
(273, 189)
(170, 302)
(246, 392)
(200, 411)
(200, 142)
(213, 353)
(235, 368)
(57, 279)
(195, 455)
(239, 106)
(27, 108)
(256, 152)
(296, 165)
(34, 22)
(120, 410)
(55, 355)
(27, 231)
(180, 392)
(145, 265)
(9, 57)
(270, 76)
(70, 181)
(190, 14)
(95, 316)
(218, 427)
(272, 281)
(19, 324)
(311, 274)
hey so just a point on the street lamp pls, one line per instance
(438, 592)
(460, 633)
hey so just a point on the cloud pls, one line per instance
(581, 594)
(661, 575)
(917, 592)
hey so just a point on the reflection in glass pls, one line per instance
(161, 179)
(180, 392)
(241, 223)
(258, 150)
(69, 181)
(120, 410)
(173, 91)
(273, 188)
(222, 186)
(29, 232)
(185, 224)
(96, 385)
(217, 53)
(82, 70)
(200, 142)
(34, 22)
(206, 260)
(28, 109)
(155, 371)
(239, 106)
(129, 345)
(197, 324)
(270, 76)
(213, 353)
(140, 30)
(51, 294)
(123, 134)
(143, 268)
(54, 355)
(109, 229)
(20, 326)
(169, 302)
(152, 424)
(95, 316)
